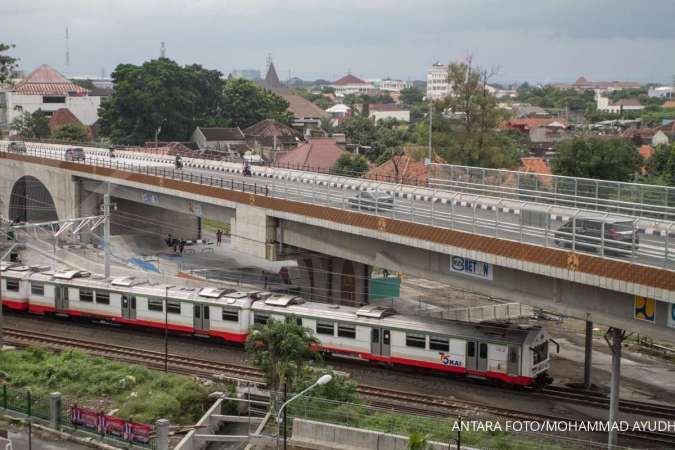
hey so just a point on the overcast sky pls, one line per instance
(534, 40)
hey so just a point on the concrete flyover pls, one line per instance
(277, 216)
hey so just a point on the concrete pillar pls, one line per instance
(162, 426)
(55, 410)
(614, 337)
(588, 354)
(252, 230)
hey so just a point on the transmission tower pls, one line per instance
(162, 50)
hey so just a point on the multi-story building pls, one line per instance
(349, 84)
(438, 86)
(389, 85)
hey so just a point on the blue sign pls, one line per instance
(471, 267)
(150, 198)
(671, 316)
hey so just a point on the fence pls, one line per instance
(63, 416)
(513, 220)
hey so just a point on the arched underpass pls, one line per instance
(30, 201)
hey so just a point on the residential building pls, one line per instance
(47, 90)
(438, 86)
(62, 117)
(527, 124)
(583, 84)
(664, 92)
(349, 84)
(660, 138)
(551, 132)
(384, 111)
(318, 154)
(603, 103)
(248, 74)
(524, 111)
(225, 140)
(270, 137)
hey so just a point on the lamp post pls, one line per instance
(324, 379)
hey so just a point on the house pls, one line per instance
(317, 154)
(669, 104)
(660, 138)
(349, 84)
(525, 125)
(339, 113)
(663, 134)
(407, 168)
(523, 111)
(224, 140)
(47, 90)
(269, 137)
(550, 132)
(664, 92)
(603, 103)
(583, 84)
(382, 111)
(64, 116)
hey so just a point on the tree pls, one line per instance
(358, 130)
(661, 166)
(418, 441)
(351, 165)
(281, 349)
(614, 159)
(411, 95)
(71, 132)
(245, 103)
(159, 94)
(7, 64)
(31, 125)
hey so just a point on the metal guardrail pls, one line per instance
(533, 223)
(634, 199)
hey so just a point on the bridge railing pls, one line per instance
(642, 240)
(634, 199)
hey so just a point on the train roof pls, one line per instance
(384, 317)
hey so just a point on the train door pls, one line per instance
(129, 307)
(201, 317)
(471, 355)
(380, 342)
(513, 363)
(61, 299)
(481, 365)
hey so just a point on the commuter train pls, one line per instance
(512, 354)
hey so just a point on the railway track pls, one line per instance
(383, 398)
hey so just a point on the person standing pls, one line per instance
(219, 237)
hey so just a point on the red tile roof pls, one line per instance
(669, 104)
(46, 81)
(535, 165)
(407, 169)
(646, 151)
(349, 79)
(387, 107)
(61, 117)
(530, 123)
(319, 154)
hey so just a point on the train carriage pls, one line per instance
(16, 286)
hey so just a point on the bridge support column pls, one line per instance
(251, 230)
(333, 280)
(614, 338)
(588, 355)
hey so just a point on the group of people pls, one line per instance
(177, 244)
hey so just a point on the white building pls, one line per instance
(388, 111)
(48, 90)
(389, 85)
(664, 92)
(438, 86)
(349, 84)
(603, 103)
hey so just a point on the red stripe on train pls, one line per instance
(16, 305)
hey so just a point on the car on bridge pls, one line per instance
(371, 201)
(75, 154)
(16, 147)
(620, 235)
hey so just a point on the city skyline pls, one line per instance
(559, 41)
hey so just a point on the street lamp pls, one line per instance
(324, 379)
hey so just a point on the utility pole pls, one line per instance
(614, 338)
(431, 115)
(106, 233)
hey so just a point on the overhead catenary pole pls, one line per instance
(106, 233)
(588, 354)
(431, 118)
(614, 338)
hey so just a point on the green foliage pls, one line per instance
(379, 137)
(552, 97)
(245, 103)
(140, 394)
(35, 125)
(71, 132)
(8, 64)
(591, 157)
(351, 165)
(411, 95)
(661, 166)
(358, 130)
(418, 441)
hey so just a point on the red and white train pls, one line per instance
(512, 354)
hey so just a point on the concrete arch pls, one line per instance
(30, 201)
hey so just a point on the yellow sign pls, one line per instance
(572, 262)
(382, 224)
(644, 308)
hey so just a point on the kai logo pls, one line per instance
(382, 224)
(644, 308)
(447, 360)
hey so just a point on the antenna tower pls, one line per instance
(67, 50)
(162, 50)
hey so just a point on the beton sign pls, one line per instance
(471, 267)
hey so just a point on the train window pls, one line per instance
(375, 335)
(230, 315)
(207, 312)
(298, 320)
(86, 295)
(415, 340)
(325, 327)
(173, 307)
(471, 349)
(12, 284)
(155, 305)
(348, 331)
(37, 288)
(482, 351)
(103, 297)
(442, 344)
(260, 318)
(540, 352)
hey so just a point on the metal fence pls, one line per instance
(635, 199)
(638, 239)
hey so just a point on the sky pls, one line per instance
(526, 40)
